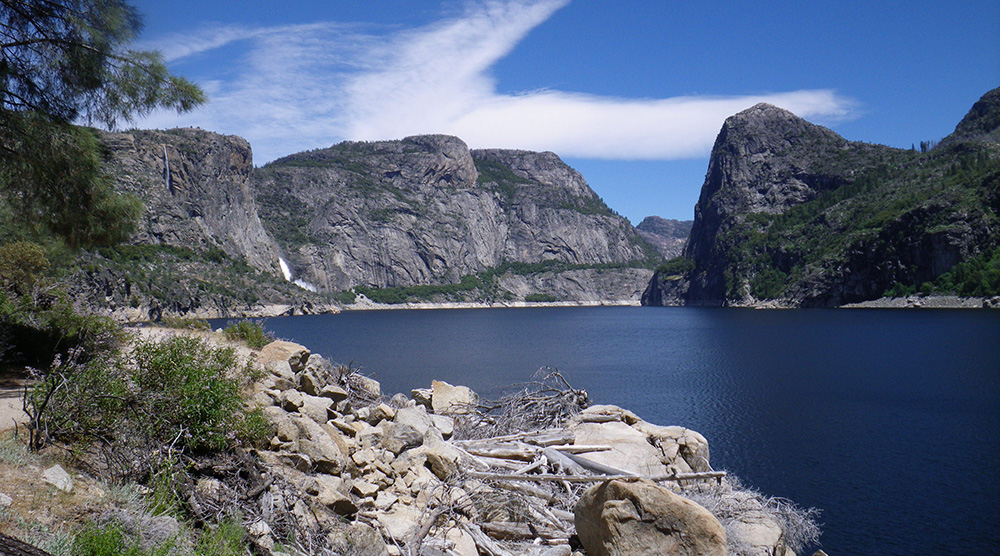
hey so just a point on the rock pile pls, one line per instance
(415, 476)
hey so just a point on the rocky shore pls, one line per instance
(540, 472)
(430, 470)
(928, 302)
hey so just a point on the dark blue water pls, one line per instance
(888, 421)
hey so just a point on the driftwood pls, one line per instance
(505, 484)
(558, 460)
(543, 438)
(596, 467)
(10, 546)
(509, 451)
(581, 448)
(484, 543)
(507, 531)
(542, 478)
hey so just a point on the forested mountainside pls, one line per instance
(792, 213)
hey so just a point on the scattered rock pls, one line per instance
(401, 522)
(358, 538)
(760, 533)
(447, 399)
(309, 383)
(283, 426)
(630, 450)
(316, 408)
(379, 413)
(281, 369)
(422, 396)
(640, 518)
(444, 424)
(366, 387)
(399, 437)
(334, 392)
(334, 493)
(416, 417)
(5, 501)
(59, 478)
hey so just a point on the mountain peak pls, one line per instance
(982, 122)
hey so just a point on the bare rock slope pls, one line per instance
(427, 210)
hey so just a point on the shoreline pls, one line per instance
(141, 315)
(367, 305)
(927, 302)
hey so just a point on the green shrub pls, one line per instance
(185, 323)
(225, 539)
(144, 404)
(540, 298)
(250, 332)
(21, 263)
(104, 540)
(110, 538)
(347, 297)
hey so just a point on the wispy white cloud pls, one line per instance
(307, 86)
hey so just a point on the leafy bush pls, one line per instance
(110, 539)
(225, 539)
(21, 263)
(146, 403)
(347, 297)
(540, 298)
(185, 323)
(250, 332)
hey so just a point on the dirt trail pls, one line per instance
(11, 391)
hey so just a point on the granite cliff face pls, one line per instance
(200, 248)
(195, 186)
(668, 236)
(765, 160)
(427, 210)
(792, 214)
(423, 211)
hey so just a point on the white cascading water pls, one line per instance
(166, 162)
(287, 273)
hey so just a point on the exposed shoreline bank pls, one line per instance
(141, 315)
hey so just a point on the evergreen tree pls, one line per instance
(65, 61)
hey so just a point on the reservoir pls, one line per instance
(886, 420)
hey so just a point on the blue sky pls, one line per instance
(630, 93)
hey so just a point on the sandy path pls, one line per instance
(11, 390)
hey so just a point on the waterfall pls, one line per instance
(166, 162)
(305, 285)
(287, 273)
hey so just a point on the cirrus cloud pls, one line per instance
(305, 86)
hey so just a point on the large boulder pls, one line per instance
(447, 399)
(637, 446)
(640, 518)
(294, 354)
(630, 449)
(758, 533)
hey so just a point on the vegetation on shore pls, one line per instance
(485, 286)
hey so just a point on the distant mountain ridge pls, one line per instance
(795, 215)
(667, 235)
(419, 219)
(426, 210)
